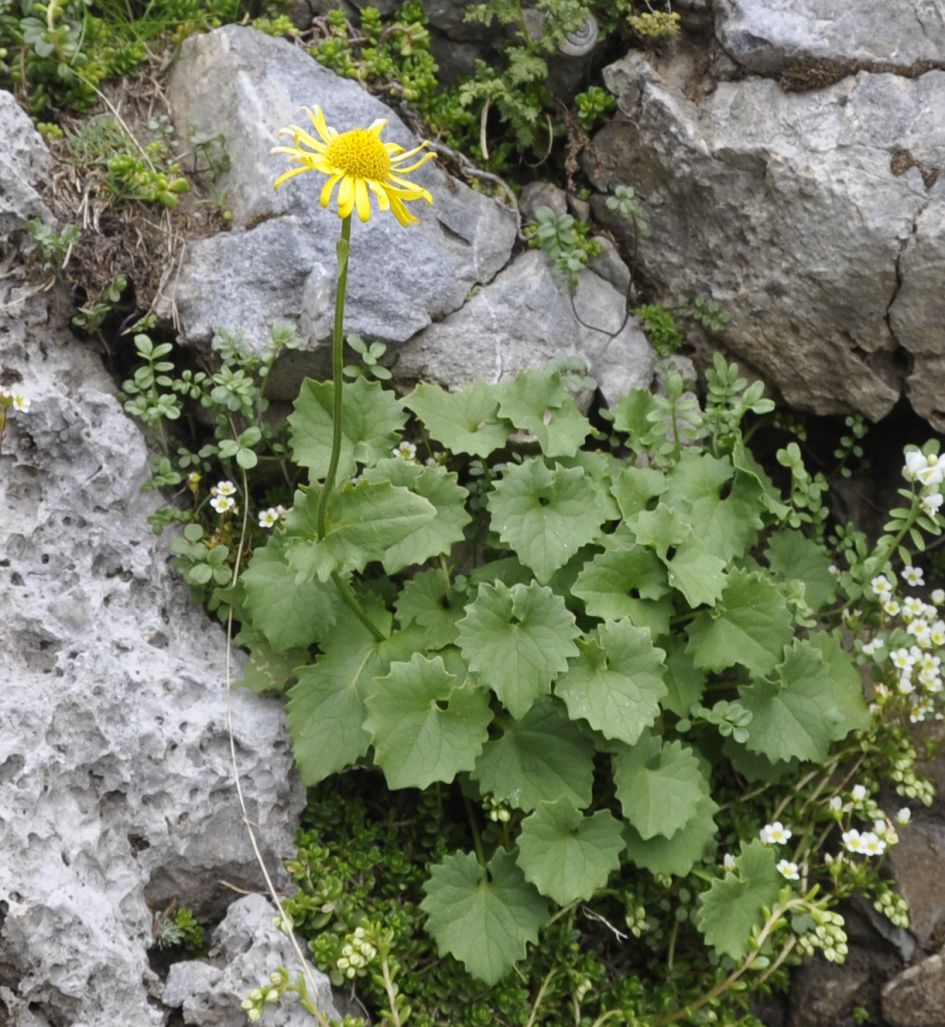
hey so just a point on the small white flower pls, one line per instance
(194, 479)
(912, 606)
(271, 517)
(835, 804)
(891, 607)
(937, 634)
(858, 793)
(834, 571)
(921, 710)
(932, 503)
(728, 861)
(871, 844)
(405, 450)
(851, 840)
(903, 816)
(788, 870)
(915, 462)
(21, 403)
(869, 648)
(919, 630)
(223, 504)
(881, 586)
(775, 834)
(928, 471)
(886, 832)
(905, 684)
(913, 576)
(938, 596)
(223, 488)
(902, 659)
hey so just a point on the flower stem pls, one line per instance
(337, 379)
(347, 593)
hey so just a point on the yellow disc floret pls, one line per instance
(359, 164)
(360, 153)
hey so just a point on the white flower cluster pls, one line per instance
(928, 471)
(917, 667)
(356, 954)
(893, 906)
(828, 936)
(221, 497)
(863, 843)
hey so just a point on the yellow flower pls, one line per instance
(359, 163)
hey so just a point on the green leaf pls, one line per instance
(728, 527)
(546, 515)
(852, 713)
(631, 414)
(807, 706)
(517, 640)
(662, 528)
(540, 758)
(794, 557)
(445, 495)
(616, 683)
(484, 916)
(699, 575)
(290, 614)
(364, 522)
(538, 401)
(372, 417)
(685, 683)
(660, 787)
(428, 601)
(568, 856)
(635, 487)
(425, 724)
(612, 584)
(751, 625)
(464, 422)
(733, 906)
(679, 854)
(267, 670)
(326, 708)
(767, 494)
(696, 476)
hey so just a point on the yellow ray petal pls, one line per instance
(285, 176)
(328, 188)
(346, 196)
(362, 199)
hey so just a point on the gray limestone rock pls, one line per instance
(278, 262)
(922, 846)
(246, 948)
(768, 36)
(916, 998)
(802, 215)
(22, 147)
(117, 792)
(525, 319)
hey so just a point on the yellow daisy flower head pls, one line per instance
(359, 163)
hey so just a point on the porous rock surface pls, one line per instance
(246, 948)
(116, 792)
(813, 216)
